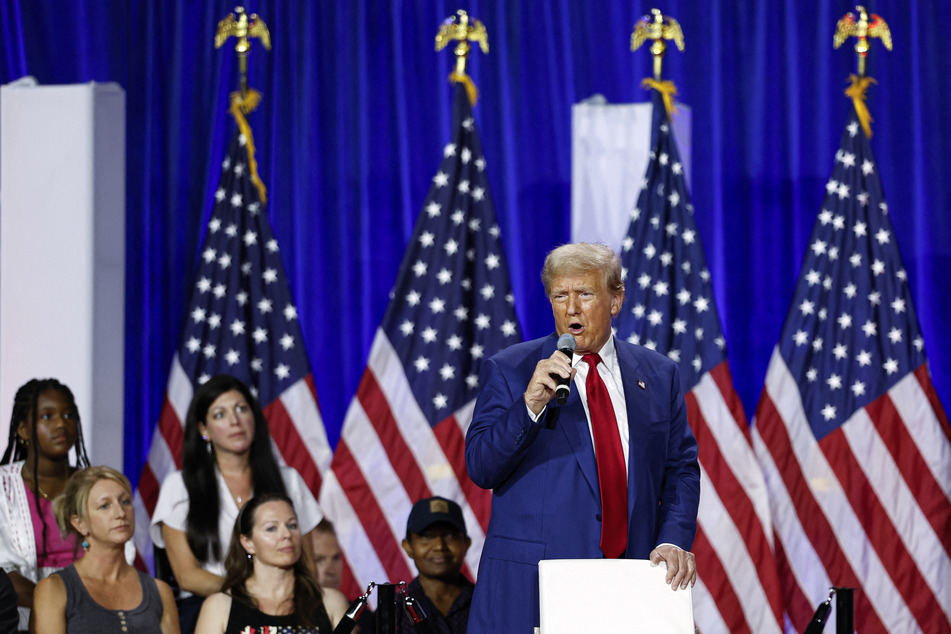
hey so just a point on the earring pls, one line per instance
(207, 443)
(251, 558)
(24, 441)
(85, 545)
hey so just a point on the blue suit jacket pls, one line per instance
(546, 503)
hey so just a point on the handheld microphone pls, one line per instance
(566, 345)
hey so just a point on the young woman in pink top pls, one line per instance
(35, 467)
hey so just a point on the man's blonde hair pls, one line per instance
(579, 258)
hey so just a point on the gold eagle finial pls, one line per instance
(242, 28)
(465, 29)
(657, 27)
(862, 29)
(245, 101)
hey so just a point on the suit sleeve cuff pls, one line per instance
(535, 418)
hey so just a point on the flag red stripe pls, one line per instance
(814, 522)
(309, 379)
(924, 379)
(172, 430)
(728, 488)
(919, 478)
(369, 513)
(720, 374)
(718, 584)
(737, 503)
(733, 496)
(881, 533)
(378, 412)
(291, 445)
(450, 438)
(148, 488)
(348, 582)
(139, 563)
(798, 608)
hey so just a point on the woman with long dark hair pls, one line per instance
(227, 458)
(44, 428)
(267, 583)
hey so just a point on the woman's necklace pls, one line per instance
(236, 490)
(36, 486)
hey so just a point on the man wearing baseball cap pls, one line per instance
(437, 541)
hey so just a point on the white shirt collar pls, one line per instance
(608, 354)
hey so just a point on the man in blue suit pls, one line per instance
(554, 470)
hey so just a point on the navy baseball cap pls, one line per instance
(427, 512)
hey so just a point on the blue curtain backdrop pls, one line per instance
(357, 109)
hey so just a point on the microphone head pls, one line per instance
(567, 344)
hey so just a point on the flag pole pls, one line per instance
(658, 28)
(464, 29)
(246, 100)
(859, 26)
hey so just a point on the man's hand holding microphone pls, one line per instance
(552, 377)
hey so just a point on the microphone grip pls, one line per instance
(563, 388)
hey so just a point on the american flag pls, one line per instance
(403, 434)
(241, 321)
(850, 433)
(669, 307)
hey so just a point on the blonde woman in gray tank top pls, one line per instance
(101, 592)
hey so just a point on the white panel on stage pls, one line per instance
(610, 147)
(62, 251)
(610, 595)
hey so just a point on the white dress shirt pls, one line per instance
(610, 373)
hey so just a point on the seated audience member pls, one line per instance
(9, 616)
(328, 562)
(44, 428)
(102, 592)
(267, 586)
(437, 541)
(226, 459)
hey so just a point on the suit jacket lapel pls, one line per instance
(571, 418)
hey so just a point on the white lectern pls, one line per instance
(610, 147)
(610, 595)
(62, 251)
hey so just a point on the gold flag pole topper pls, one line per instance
(464, 29)
(658, 27)
(246, 100)
(861, 29)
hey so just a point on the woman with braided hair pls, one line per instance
(44, 428)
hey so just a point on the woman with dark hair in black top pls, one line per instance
(267, 583)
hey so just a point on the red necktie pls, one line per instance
(612, 475)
